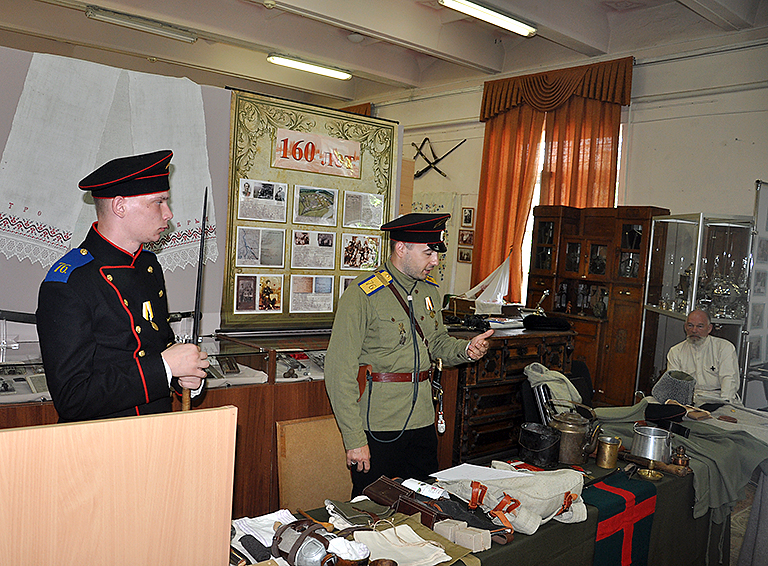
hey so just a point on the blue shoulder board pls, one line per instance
(431, 281)
(62, 269)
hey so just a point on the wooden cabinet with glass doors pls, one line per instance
(593, 263)
(550, 225)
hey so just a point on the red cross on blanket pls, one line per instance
(625, 518)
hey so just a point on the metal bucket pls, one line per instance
(539, 445)
(652, 443)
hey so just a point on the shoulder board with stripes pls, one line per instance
(375, 282)
(431, 281)
(62, 269)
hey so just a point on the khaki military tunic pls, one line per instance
(371, 327)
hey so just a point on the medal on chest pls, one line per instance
(148, 314)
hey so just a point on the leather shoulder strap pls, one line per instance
(403, 304)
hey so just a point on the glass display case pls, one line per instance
(696, 261)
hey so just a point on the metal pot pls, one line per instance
(578, 434)
(303, 543)
(652, 443)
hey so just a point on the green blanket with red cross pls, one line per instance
(625, 516)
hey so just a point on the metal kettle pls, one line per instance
(578, 434)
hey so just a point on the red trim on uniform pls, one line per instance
(624, 521)
(419, 223)
(134, 255)
(130, 176)
(133, 326)
(137, 195)
(151, 176)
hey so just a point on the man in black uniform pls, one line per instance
(102, 315)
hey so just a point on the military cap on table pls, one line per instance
(419, 228)
(131, 176)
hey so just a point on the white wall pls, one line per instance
(697, 137)
(446, 119)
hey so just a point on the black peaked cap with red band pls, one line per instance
(419, 228)
(130, 176)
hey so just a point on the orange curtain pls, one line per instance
(362, 109)
(582, 106)
(581, 153)
(507, 179)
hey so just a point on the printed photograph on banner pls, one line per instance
(360, 251)
(363, 210)
(257, 294)
(344, 282)
(262, 200)
(311, 293)
(260, 247)
(314, 205)
(313, 250)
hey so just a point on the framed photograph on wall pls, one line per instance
(761, 278)
(466, 237)
(467, 217)
(464, 255)
(755, 350)
(762, 250)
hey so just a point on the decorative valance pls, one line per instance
(610, 81)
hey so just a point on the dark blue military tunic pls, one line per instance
(102, 321)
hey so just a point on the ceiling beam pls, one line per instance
(729, 15)
(408, 24)
(74, 28)
(580, 26)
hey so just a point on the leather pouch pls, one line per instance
(386, 491)
(428, 515)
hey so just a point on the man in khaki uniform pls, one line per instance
(391, 321)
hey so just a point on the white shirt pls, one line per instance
(713, 364)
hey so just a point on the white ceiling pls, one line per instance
(392, 47)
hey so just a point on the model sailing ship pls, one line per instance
(486, 300)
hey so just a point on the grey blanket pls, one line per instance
(722, 461)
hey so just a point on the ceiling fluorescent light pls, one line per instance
(495, 18)
(308, 67)
(141, 24)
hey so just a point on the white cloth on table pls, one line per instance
(263, 527)
(402, 545)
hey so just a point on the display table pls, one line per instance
(677, 539)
